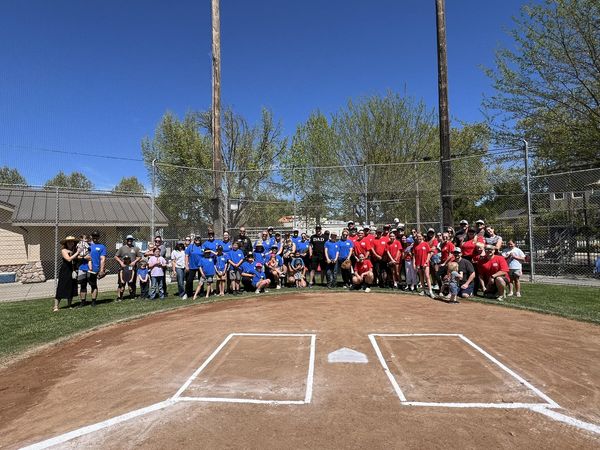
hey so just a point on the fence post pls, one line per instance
(56, 238)
(153, 200)
(417, 201)
(529, 215)
(366, 174)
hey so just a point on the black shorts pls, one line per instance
(316, 261)
(92, 280)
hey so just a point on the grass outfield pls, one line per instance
(28, 324)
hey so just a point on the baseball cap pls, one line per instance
(196, 238)
(129, 237)
(296, 230)
(490, 247)
(464, 222)
(269, 228)
(219, 247)
(387, 225)
(318, 227)
(366, 227)
(431, 230)
(274, 246)
(258, 265)
(457, 250)
(480, 221)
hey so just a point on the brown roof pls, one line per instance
(37, 207)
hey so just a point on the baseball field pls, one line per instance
(313, 370)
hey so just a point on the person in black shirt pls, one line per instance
(461, 234)
(244, 242)
(467, 270)
(316, 251)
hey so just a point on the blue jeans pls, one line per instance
(157, 288)
(331, 272)
(180, 272)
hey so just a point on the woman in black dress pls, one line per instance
(67, 285)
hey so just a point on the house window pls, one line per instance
(559, 196)
(577, 194)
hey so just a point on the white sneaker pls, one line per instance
(431, 294)
(278, 287)
(257, 291)
(184, 297)
(422, 293)
(510, 294)
(368, 290)
(266, 291)
(518, 294)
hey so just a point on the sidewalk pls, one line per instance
(10, 292)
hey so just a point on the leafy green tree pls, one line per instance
(182, 150)
(315, 144)
(130, 184)
(74, 180)
(548, 87)
(11, 176)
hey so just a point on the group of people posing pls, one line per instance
(454, 264)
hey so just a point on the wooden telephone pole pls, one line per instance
(445, 166)
(218, 210)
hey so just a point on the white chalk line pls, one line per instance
(98, 426)
(386, 369)
(511, 372)
(177, 397)
(543, 408)
(240, 400)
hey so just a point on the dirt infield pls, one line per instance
(133, 365)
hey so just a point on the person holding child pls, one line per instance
(67, 276)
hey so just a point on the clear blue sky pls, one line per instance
(96, 77)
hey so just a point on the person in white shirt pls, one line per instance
(178, 266)
(515, 258)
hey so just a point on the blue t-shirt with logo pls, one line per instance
(247, 267)
(235, 256)
(296, 239)
(195, 254)
(226, 246)
(259, 258)
(344, 246)
(332, 249)
(221, 262)
(96, 251)
(302, 246)
(258, 275)
(142, 273)
(208, 266)
(210, 245)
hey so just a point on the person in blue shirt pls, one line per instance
(221, 270)
(235, 258)
(272, 236)
(259, 253)
(259, 281)
(211, 243)
(226, 243)
(263, 240)
(193, 255)
(344, 264)
(331, 258)
(297, 271)
(275, 266)
(296, 236)
(302, 248)
(247, 272)
(98, 259)
(207, 273)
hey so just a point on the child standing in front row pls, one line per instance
(157, 265)
(207, 273)
(454, 277)
(144, 279)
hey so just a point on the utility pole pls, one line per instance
(445, 166)
(216, 119)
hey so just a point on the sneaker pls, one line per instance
(266, 291)
(345, 286)
(422, 293)
(184, 297)
(431, 294)
(510, 294)
(367, 289)
(500, 298)
(518, 294)
(278, 287)
(310, 285)
(257, 291)
(94, 303)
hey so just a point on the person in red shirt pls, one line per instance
(353, 233)
(368, 236)
(386, 233)
(446, 249)
(492, 270)
(362, 246)
(410, 273)
(393, 258)
(378, 257)
(422, 255)
(468, 245)
(363, 274)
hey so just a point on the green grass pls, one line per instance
(28, 324)
(574, 302)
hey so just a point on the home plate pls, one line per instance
(347, 355)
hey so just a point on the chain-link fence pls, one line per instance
(559, 233)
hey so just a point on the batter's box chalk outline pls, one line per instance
(309, 378)
(546, 408)
(79, 432)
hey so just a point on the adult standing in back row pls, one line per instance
(316, 253)
(98, 258)
(135, 255)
